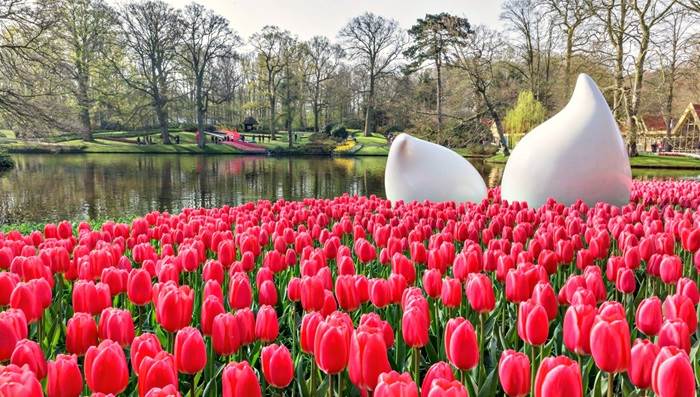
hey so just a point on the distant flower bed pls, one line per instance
(353, 295)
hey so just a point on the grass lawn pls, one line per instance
(374, 145)
(641, 161)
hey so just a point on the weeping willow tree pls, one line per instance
(526, 115)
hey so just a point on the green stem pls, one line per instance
(193, 387)
(611, 379)
(532, 372)
(330, 385)
(481, 348)
(416, 364)
(340, 384)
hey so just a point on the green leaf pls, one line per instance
(488, 389)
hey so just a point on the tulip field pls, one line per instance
(354, 296)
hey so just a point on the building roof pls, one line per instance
(654, 122)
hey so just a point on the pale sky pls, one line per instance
(307, 18)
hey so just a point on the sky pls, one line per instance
(307, 18)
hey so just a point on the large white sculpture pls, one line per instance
(576, 154)
(420, 170)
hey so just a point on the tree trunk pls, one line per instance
(162, 115)
(369, 113)
(438, 68)
(316, 108)
(84, 106)
(499, 126)
(567, 61)
(633, 106)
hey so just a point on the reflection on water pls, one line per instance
(53, 187)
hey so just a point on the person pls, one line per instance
(654, 145)
(177, 139)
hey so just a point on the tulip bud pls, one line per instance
(239, 380)
(557, 374)
(642, 358)
(461, 344)
(225, 334)
(533, 323)
(106, 358)
(439, 370)
(138, 287)
(514, 373)
(190, 352)
(648, 317)
(610, 344)
(394, 384)
(28, 352)
(277, 365)
(13, 328)
(19, 381)
(157, 371)
(368, 357)
(672, 373)
(480, 293)
(117, 325)
(144, 345)
(266, 324)
(81, 333)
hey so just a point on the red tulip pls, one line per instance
(225, 336)
(687, 287)
(674, 332)
(167, 391)
(432, 282)
(211, 307)
(332, 345)
(18, 381)
(437, 371)
(461, 345)
(307, 331)
(648, 317)
(446, 388)
(610, 344)
(625, 282)
(451, 292)
(246, 325)
(138, 287)
(240, 293)
(277, 365)
(190, 351)
(681, 307)
(578, 322)
(144, 345)
(226, 252)
(672, 373)
(173, 305)
(32, 298)
(312, 294)
(8, 281)
(117, 325)
(533, 323)
(403, 266)
(642, 358)
(380, 292)
(415, 324)
(116, 279)
(375, 321)
(670, 269)
(81, 333)
(28, 352)
(239, 380)
(105, 368)
(157, 371)
(346, 293)
(213, 270)
(393, 384)
(266, 324)
(514, 373)
(544, 295)
(367, 357)
(480, 293)
(64, 377)
(558, 377)
(13, 328)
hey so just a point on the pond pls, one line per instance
(49, 188)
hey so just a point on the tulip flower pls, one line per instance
(437, 371)
(106, 358)
(672, 373)
(648, 317)
(277, 365)
(13, 328)
(642, 358)
(461, 344)
(190, 351)
(558, 377)
(117, 325)
(367, 357)
(480, 293)
(19, 381)
(312, 294)
(670, 269)
(514, 373)
(138, 287)
(307, 332)
(610, 344)
(533, 323)
(394, 384)
(432, 283)
(446, 388)
(64, 377)
(687, 287)
(173, 305)
(674, 332)
(451, 292)
(157, 371)
(240, 293)
(681, 307)
(332, 345)
(415, 324)
(346, 293)
(266, 324)
(8, 281)
(144, 345)
(239, 380)
(246, 325)
(81, 333)
(225, 334)
(167, 391)
(28, 352)
(375, 321)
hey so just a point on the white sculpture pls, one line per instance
(420, 170)
(576, 154)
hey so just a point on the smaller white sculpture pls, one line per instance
(576, 154)
(420, 170)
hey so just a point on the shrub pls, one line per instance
(6, 161)
(328, 128)
(339, 132)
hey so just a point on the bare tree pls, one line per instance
(533, 30)
(84, 26)
(322, 62)
(569, 16)
(150, 32)
(226, 79)
(375, 43)
(270, 46)
(649, 13)
(478, 55)
(431, 41)
(206, 37)
(673, 55)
